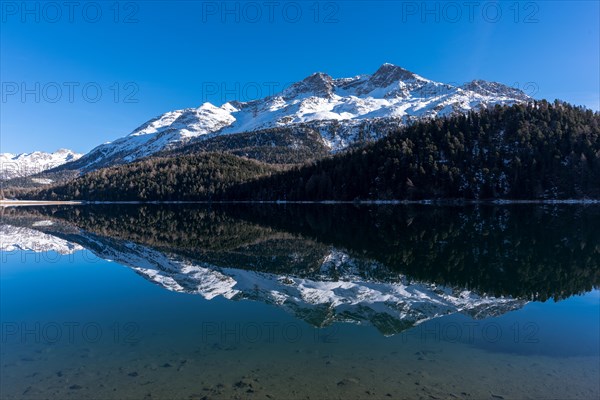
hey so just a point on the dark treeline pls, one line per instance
(188, 177)
(537, 151)
(534, 151)
(532, 252)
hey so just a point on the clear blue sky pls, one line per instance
(169, 55)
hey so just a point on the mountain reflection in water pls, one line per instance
(391, 266)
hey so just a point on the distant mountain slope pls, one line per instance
(343, 112)
(26, 164)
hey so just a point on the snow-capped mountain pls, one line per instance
(25, 164)
(344, 111)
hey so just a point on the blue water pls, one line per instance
(78, 326)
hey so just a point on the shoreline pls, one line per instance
(436, 202)
(12, 203)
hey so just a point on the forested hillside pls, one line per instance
(189, 177)
(537, 151)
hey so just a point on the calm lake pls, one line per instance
(300, 302)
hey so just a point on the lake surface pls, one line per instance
(300, 302)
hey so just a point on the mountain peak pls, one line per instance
(64, 151)
(319, 84)
(207, 106)
(390, 73)
(487, 88)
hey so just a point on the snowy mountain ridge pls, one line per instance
(344, 111)
(25, 164)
